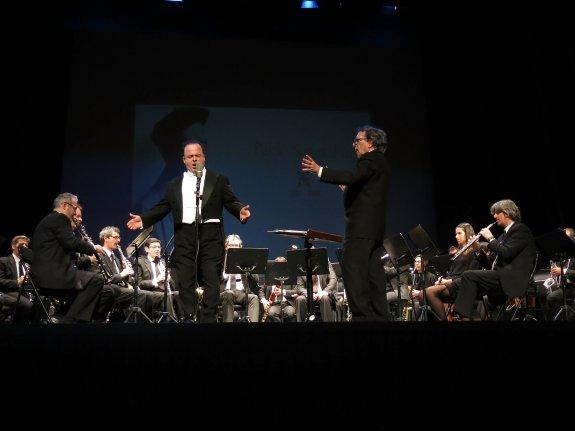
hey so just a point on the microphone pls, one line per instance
(199, 169)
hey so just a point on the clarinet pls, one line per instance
(103, 270)
(127, 264)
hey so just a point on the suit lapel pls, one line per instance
(178, 192)
(209, 186)
(13, 267)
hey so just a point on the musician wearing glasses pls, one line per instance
(514, 260)
(12, 276)
(365, 203)
(55, 248)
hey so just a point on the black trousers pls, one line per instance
(473, 284)
(210, 264)
(87, 300)
(365, 280)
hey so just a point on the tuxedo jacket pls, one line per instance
(55, 247)
(145, 274)
(116, 278)
(365, 197)
(515, 258)
(217, 195)
(8, 274)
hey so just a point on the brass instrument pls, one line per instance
(102, 268)
(469, 243)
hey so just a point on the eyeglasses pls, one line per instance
(115, 236)
(356, 140)
(72, 205)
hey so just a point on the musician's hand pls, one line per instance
(415, 294)
(160, 278)
(245, 214)
(126, 272)
(276, 291)
(93, 259)
(265, 302)
(309, 165)
(555, 271)
(21, 280)
(99, 249)
(135, 222)
(486, 233)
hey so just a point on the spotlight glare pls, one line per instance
(309, 4)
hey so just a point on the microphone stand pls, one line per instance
(165, 314)
(198, 290)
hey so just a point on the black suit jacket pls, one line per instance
(515, 258)
(251, 282)
(8, 274)
(365, 198)
(217, 195)
(145, 274)
(55, 248)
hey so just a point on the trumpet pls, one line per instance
(469, 243)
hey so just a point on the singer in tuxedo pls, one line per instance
(515, 256)
(365, 198)
(179, 199)
(12, 276)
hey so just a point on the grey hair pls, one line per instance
(507, 207)
(108, 231)
(63, 198)
(233, 238)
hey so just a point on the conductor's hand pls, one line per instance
(245, 214)
(135, 222)
(309, 165)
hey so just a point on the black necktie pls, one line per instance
(21, 268)
(115, 263)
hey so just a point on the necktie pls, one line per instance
(232, 281)
(115, 262)
(21, 269)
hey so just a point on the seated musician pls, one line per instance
(555, 297)
(445, 288)
(12, 277)
(277, 308)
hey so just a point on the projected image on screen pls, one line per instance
(259, 150)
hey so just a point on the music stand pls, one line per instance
(133, 249)
(440, 264)
(246, 261)
(399, 254)
(165, 314)
(278, 271)
(426, 249)
(559, 247)
(308, 262)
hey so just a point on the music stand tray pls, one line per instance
(279, 271)
(297, 261)
(246, 261)
(138, 241)
(440, 264)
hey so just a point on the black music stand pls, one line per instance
(440, 264)
(308, 262)
(399, 254)
(246, 261)
(165, 314)
(426, 249)
(279, 271)
(132, 251)
(559, 247)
